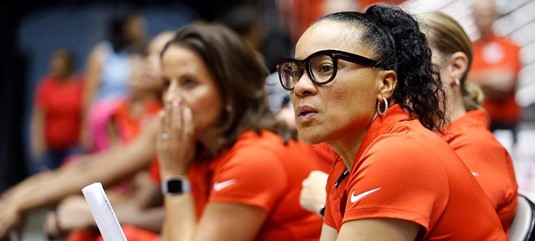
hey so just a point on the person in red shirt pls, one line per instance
(229, 169)
(57, 113)
(468, 132)
(495, 69)
(365, 84)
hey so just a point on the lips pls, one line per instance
(306, 113)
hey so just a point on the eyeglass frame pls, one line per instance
(335, 56)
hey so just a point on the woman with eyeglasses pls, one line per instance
(365, 84)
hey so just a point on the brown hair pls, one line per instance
(239, 76)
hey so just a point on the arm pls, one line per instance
(180, 220)
(73, 213)
(175, 154)
(378, 229)
(221, 221)
(50, 187)
(328, 233)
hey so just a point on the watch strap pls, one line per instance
(175, 186)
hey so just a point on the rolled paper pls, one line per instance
(103, 213)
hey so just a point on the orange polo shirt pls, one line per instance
(260, 170)
(407, 172)
(488, 161)
(498, 53)
(336, 194)
(129, 126)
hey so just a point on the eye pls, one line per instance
(188, 83)
(322, 65)
(165, 83)
(326, 68)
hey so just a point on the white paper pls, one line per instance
(103, 213)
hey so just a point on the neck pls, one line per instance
(212, 141)
(348, 147)
(455, 105)
(63, 78)
(485, 35)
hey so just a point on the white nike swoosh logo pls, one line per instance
(218, 186)
(475, 174)
(356, 198)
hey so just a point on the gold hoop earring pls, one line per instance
(456, 83)
(379, 111)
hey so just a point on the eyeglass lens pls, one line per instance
(320, 69)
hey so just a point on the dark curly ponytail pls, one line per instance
(419, 85)
(400, 46)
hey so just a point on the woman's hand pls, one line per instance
(176, 142)
(72, 213)
(10, 219)
(313, 193)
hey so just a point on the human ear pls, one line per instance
(457, 66)
(387, 83)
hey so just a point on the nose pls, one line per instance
(171, 92)
(305, 86)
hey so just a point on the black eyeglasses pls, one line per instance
(321, 67)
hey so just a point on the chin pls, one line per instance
(310, 136)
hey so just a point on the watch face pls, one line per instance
(174, 186)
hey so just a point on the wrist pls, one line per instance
(321, 210)
(175, 185)
(167, 172)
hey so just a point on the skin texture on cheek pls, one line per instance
(190, 82)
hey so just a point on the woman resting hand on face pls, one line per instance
(229, 169)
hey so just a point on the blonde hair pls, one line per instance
(447, 36)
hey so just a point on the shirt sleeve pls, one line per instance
(252, 176)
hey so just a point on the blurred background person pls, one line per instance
(108, 167)
(136, 202)
(496, 69)
(109, 67)
(57, 112)
(468, 133)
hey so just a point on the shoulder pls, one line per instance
(45, 81)
(505, 40)
(255, 149)
(409, 144)
(100, 50)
